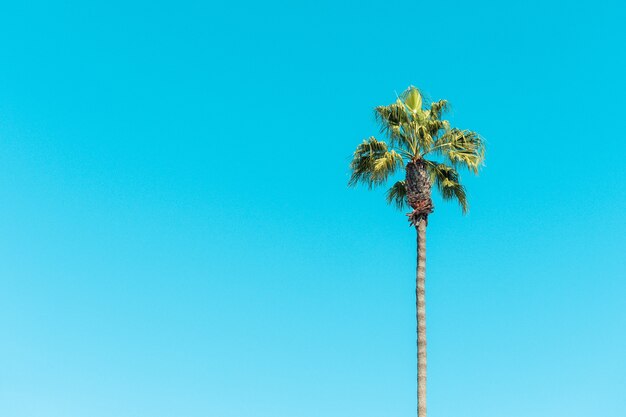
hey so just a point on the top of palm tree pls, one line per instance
(415, 132)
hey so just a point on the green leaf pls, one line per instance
(448, 182)
(372, 163)
(413, 99)
(461, 147)
(396, 195)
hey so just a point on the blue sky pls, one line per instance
(177, 237)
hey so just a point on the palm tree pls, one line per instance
(415, 132)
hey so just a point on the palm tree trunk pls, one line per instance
(418, 196)
(420, 298)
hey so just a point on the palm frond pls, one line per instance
(424, 134)
(392, 119)
(447, 180)
(372, 163)
(438, 108)
(396, 195)
(412, 98)
(461, 147)
(435, 127)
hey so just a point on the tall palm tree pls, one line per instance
(416, 134)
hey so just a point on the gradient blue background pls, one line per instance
(177, 237)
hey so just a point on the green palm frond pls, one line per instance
(393, 120)
(396, 195)
(424, 134)
(461, 147)
(438, 108)
(433, 122)
(373, 163)
(412, 98)
(447, 180)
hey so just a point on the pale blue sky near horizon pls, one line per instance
(177, 237)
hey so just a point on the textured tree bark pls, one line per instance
(420, 300)
(418, 191)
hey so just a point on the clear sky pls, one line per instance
(177, 237)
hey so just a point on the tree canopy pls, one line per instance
(416, 130)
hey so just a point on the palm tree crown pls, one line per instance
(415, 131)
